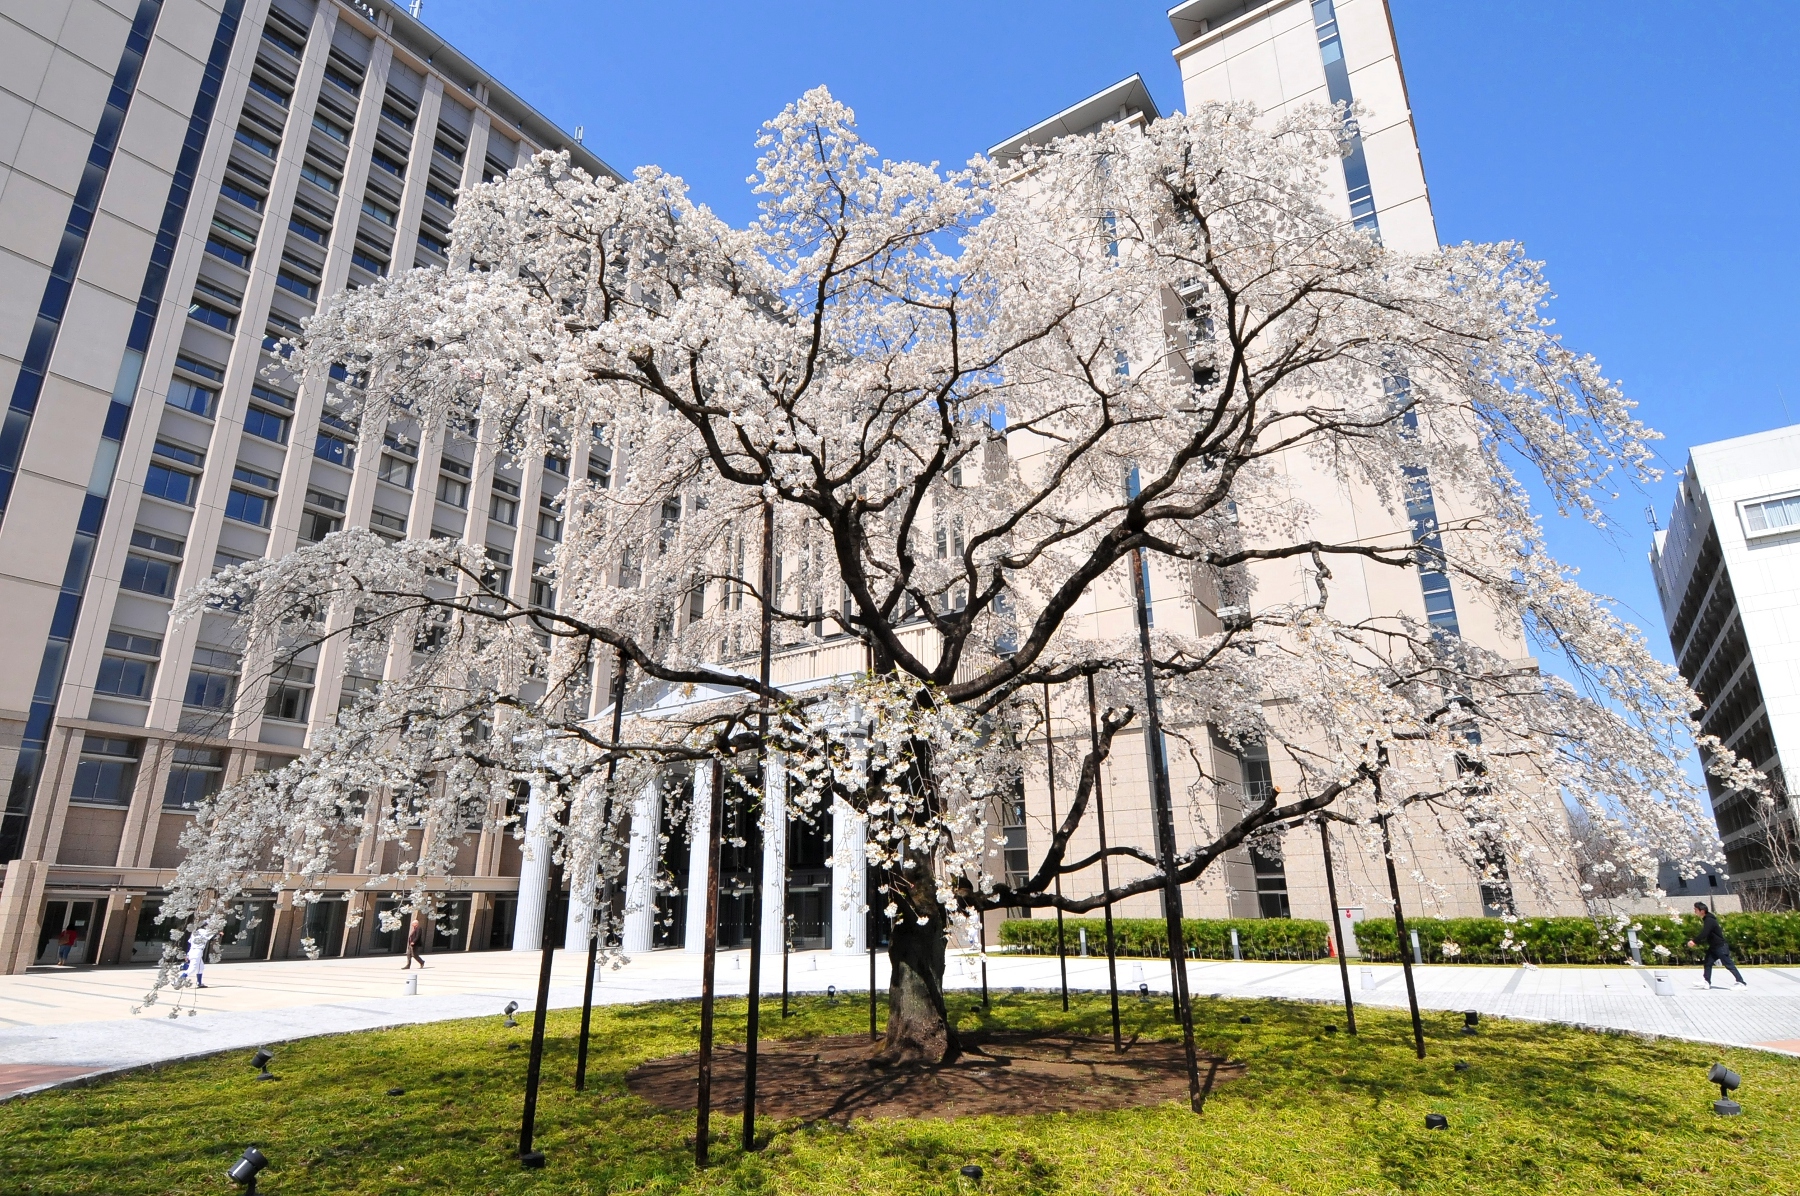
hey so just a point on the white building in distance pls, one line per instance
(1727, 570)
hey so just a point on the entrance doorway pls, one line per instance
(58, 917)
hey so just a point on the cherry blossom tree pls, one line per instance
(967, 400)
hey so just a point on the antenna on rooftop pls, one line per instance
(1650, 517)
(417, 7)
(580, 130)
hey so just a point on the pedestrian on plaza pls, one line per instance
(65, 943)
(413, 932)
(195, 968)
(1717, 949)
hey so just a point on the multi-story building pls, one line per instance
(1727, 570)
(182, 182)
(1277, 54)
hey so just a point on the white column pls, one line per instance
(698, 882)
(534, 878)
(774, 860)
(640, 870)
(849, 879)
(581, 907)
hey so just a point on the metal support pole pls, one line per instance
(534, 1069)
(869, 934)
(703, 1110)
(594, 932)
(787, 944)
(1062, 956)
(1112, 948)
(1412, 993)
(1165, 834)
(1337, 925)
(756, 856)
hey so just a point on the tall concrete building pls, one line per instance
(182, 182)
(1277, 54)
(1727, 570)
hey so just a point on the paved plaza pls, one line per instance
(60, 1024)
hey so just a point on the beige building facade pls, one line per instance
(181, 183)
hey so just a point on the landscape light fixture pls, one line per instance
(1471, 1019)
(831, 994)
(1143, 992)
(1728, 1082)
(261, 1061)
(971, 1171)
(396, 1092)
(1461, 1065)
(1436, 1121)
(244, 1170)
(512, 1007)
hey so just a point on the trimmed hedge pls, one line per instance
(1206, 938)
(1754, 938)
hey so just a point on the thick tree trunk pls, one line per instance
(918, 1027)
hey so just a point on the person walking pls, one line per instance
(1717, 949)
(65, 943)
(195, 969)
(412, 944)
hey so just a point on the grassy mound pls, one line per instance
(1539, 1109)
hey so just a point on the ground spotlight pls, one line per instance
(1436, 1121)
(1728, 1082)
(1243, 1019)
(396, 1092)
(532, 1160)
(1143, 992)
(512, 1007)
(831, 994)
(971, 1172)
(244, 1170)
(1461, 1066)
(1331, 1028)
(260, 1061)
(1471, 1019)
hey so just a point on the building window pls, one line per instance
(290, 694)
(266, 424)
(147, 576)
(499, 574)
(335, 450)
(391, 526)
(124, 677)
(316, 525)
(194, 777)
(453, 490)
(550, 527)
(171, 485)
(355, 689)
(395, 472)
(212, 681)
(105, 771)
(503, 506)
(246, 507)
(1771, 516)
(1271, 885)
(192, 398)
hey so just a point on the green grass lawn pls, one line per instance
(1540, 1110)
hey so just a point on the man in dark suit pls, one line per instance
(1717, 949)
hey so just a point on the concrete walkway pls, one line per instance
(59, 1025)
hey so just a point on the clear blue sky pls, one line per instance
(1646, 151)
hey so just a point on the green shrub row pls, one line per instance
(1206, 938)
(1754, 938)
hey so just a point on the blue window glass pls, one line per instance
(298, 286)
(261, 145)
(265, 424)
(126, 678)
(146, 576)
(191, 397)
(338, 452)
(233, 192)
(209, 691)
(170, 484)
(247, 508)
(106, 782)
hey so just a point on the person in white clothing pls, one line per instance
(195, 969)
